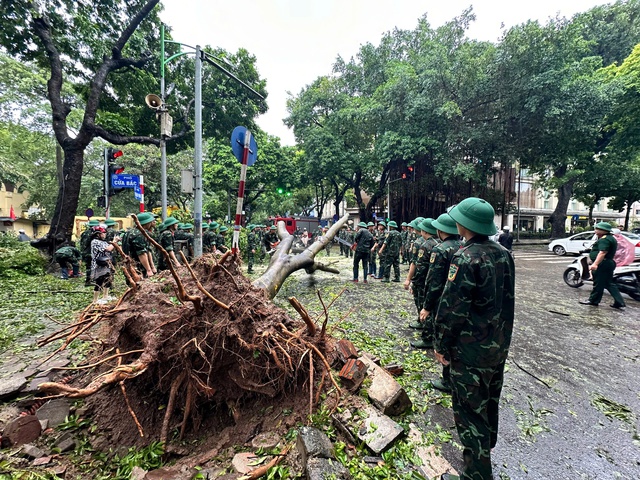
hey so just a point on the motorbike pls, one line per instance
(626, 278)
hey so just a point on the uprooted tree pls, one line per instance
(200, 337)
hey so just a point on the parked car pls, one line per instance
(636, 231)
(582, 241)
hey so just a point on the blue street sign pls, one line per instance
(137, 193)
(237, 145)
(575, 218)
(125, 181)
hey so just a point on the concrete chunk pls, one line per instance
(31, 451)
(378, 431)
(10, 387)
(56, 411)
(433, 465)
(65, 442)
(326, 469)
(312, 443)
(385, 392)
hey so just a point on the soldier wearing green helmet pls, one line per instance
(413, 256)
(439, 261)
(380, 237)
(221, 239)
(473, 327)
(404, 250)
(138, 247)
(166, 240)
(362, 243)
(418, 284)
(391, 252)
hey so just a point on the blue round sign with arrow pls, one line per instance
(237, 145)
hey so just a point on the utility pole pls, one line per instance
(197, 171)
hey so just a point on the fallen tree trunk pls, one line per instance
(283, 263)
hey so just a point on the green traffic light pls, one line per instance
(288, 194)
(280, 191)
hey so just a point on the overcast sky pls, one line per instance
(296, 41)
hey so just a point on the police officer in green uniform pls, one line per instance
(167, 229)
(602, 267)
(391, 252)
(85, 250)
(252, 247)
(139, 248)
(419, 282)
(439, 261)
(473, 325)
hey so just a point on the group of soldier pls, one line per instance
(464, 292)
(171, 234)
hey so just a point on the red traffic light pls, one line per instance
(116, 153)
(118, 170)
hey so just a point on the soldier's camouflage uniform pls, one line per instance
(418, 282)
(166, 241)
(439, 262)
(373, 254)
(350, 237)
(138, 244)
(391, 255)
(473, 328)
(382, 236)
(404, 251)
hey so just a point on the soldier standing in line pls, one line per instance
(342, 235)
(85, 250)
(439, 262)
(391, 251)
(413, 261)
(372, 252)
(252, 247)
(404, 250)
(427, 232)
(188, 233)
(473, 325)
(207, 239)
(380, 238)
(166, 240)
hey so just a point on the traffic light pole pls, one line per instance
(163, 144)
(107, 198)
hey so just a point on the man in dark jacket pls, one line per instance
(363, 242)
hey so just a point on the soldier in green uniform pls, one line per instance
(206, 238)
(342, 235)
(363, 241)
(221, 239)
(85, 250)
(271, 240)
(168, 229)
(188, 233)
(65, 256)
(473, 326)
(419, 285)
(602, 267)
(111, 231)
(391, 252)
(351, 238)
(413, 260)
(439, 261)
(138, 246)
(372, 252)
(380, 237)
(252, 247)
(404, 250)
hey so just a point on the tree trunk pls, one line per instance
(559, 216)
(284, 264)
(62, 222)
(626, 217)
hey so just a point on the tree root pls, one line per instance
(199, 285)
(170, 405)
(260, 471)
(116, 375)
(311, 327)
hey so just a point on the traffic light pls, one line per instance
(283, 191)
(409, 173)
(114, 169)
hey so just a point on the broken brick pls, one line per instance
(353, 374)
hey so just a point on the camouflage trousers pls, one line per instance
(476, 395)
(372, 263)
(391, 259)
(250, 260)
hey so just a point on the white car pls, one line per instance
(582, 241)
